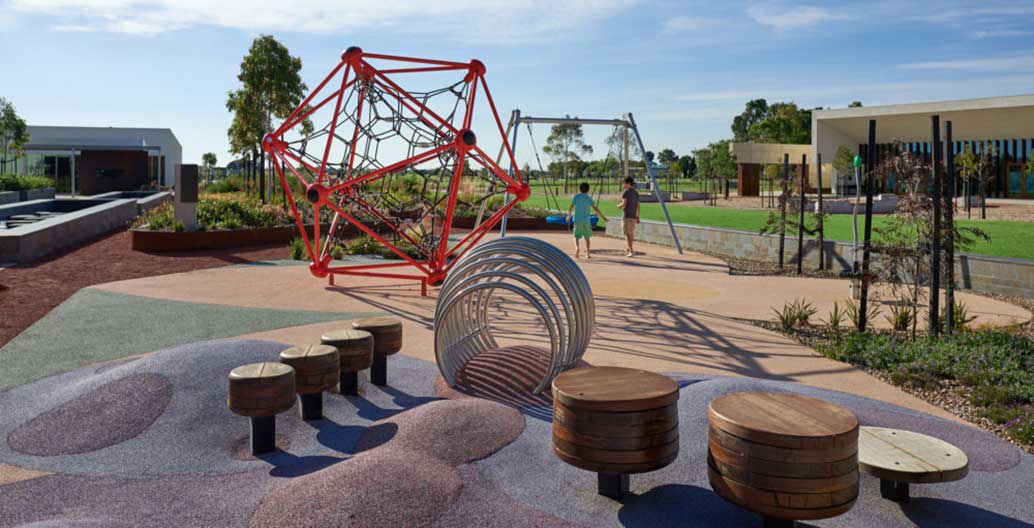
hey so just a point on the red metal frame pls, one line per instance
(357, 74)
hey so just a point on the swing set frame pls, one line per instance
(627, 121)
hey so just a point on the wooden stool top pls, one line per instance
(614, 389)
(905, 456)
(301, 353)
(784, 420)
(345, 337)
(256, 371)
(376, 325)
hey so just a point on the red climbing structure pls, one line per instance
(396, 163)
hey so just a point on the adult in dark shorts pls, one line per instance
(630, 205)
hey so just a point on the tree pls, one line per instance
(649, 156)
(843, 162)
(208, 159)
(667, 156)
(1030, 163)
(785, 123)
(855, 104)
(565, 145)
(271, 87)
(687, 166)
(977, 167)
(755, 110)
(14, 134)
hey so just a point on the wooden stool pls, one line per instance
(261, 391)
(784, 456)
(387, 340)
(615, 421)
(900, 458)
(316, 369)
(355, 349)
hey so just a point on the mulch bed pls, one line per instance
(30, 291)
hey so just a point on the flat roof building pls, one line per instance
(1004, 123)
(95, 160)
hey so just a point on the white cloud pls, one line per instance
(462, 20)
(1023, 62)
(783, 17)
(1000, 33)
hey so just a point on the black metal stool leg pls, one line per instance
(895, 491)
(772, 522)
(311, 406)
(379, 371)
(612, 485)
(263, 434)
(349, 383)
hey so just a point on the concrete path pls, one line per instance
(657, 311)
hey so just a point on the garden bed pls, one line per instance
(168, 241)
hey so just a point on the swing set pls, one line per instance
(625, 128)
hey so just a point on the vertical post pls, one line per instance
(625, 168)
(935, 243)
(262, 170)
(821, 222)
(516, 120)
(949, 234)
(870, 169)
(73, 172)
(653, 180)
(800, 220)
(782, 210)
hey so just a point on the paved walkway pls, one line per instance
(658, 311)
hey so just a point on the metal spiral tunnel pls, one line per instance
(526, 268)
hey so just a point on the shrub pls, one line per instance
(900, 317)
(854, 313)
(24, 182)
(218, 211)
(796, 314)
(836, 316)
(297, 249)
(962, 318)
(227, 185)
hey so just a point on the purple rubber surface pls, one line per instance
(105, 416)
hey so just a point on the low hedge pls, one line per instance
(218, 211)
(997, 366)
(24, 182)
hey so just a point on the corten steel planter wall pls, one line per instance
(169, 241)
(511, 223)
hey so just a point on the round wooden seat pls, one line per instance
(785, 456)
(900, 458)
(316, 367)
(387, 340)
(261, 389)
(354, 347)
(386, 331)
(615, 421)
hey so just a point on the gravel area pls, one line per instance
(29, 291)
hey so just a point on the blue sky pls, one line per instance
(684, 68)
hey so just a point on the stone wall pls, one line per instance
(27, 243)
(980, 273)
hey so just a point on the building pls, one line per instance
(95, 160)
(1004, 124)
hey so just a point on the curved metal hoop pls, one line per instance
(551, 283)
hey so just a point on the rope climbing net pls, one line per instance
(398, 164)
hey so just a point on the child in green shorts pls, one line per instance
(581, 205)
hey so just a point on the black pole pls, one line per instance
(782, 210)
(935, 242)
(870, 169)
(821, 211)
(262, 171)
(949, 235)
(800, 220)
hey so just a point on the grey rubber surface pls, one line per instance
(679, 494)
(196, 433)
(96, 325)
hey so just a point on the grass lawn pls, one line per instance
(1008, 239)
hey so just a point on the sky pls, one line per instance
(683, 68)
